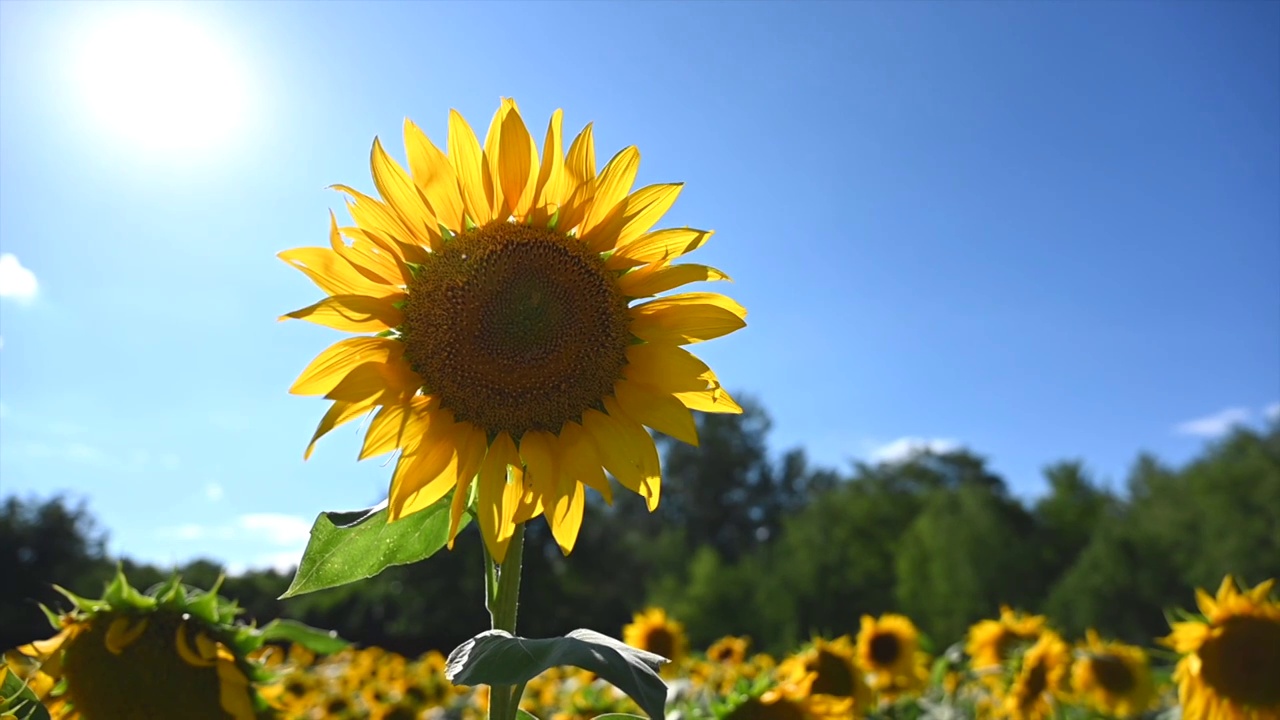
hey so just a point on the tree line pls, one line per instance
(746, 542)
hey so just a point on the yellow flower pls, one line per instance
(1112, 677)
(826, 674)
(729, 650)
(888, 653)
(492, 297)
(1231, 658)
(1043, 673)
(991, 643)
(653, 630)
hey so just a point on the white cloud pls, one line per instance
(16, 281)
(86, 454)
(1215, 425)
(278, 528)
(1272, 411)
(213, 491)
(904, 448)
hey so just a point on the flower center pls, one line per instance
(661, 642)
(1113, 674)
(1242, 663)
(516, 328)
(1037, 682)
(834, 676)
(885, 649)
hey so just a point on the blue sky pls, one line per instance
(1040, 230)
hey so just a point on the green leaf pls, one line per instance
(350, 546)
(323, 642)
(495, 657)
(16, 698)
(523, 715)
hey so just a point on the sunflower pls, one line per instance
(1112, 677)
(826, 672)
(1043, 672)
(166, 654)
(502, 327)
(653, 630)
(1231, 656)
(889, 655)
(991, 643)
(729, 650)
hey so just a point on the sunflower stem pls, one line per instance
(502, 585)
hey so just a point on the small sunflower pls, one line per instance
(503, 326)
(170, 653)
(1043, 673)
(991, 643)
(1112, 677)
(826, 671)
(889, 655)
(656, 632)
(1230, 657)
(729, 650)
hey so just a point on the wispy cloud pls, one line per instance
(1272, 411)
(278, 529)
(213, 492)
(16, 282)
(904, 448)
(1215, 425)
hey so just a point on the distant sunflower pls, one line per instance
(492, 294)
(1113, 677)
(888, 652)
(828, 672)
(1230, 658)
(169, 654)
(653, 630)
(1043, 673)
(729, 650)
(991, 643)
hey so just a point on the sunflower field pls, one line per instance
(1217, 663)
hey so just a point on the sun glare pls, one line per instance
(161, 80)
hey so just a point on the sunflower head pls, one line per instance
(1040, 679)
(1112, 677)
(992, 643)
(888, 653)
(656, 632)
(1230, 654)
(729, 650)
(507, 327)
(827, 668)
(172, 652)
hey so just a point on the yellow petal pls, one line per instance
(380, 383)
(339, 413)
(394, 427)
(472, 447)
(687, 318)
(666, 367)
(372, 255)
(434, 176)
(538, 453)
(468, 164)
(517, 165)
(495, 515)
(625, 450)
(233, 689)
(653, 279)
(580, 461)
(611, 187)
(525, 497)
(426, 472)
(398, 189)
(658, 246)
(552, 179)
(710, 401)
(566, 503)
(122, 632)
(185, 652)
(658, 410)
(332, 365)
(376, 216)
(633, 217)
(580, 165)
(352, 313)
(332, 272)
(498, 202)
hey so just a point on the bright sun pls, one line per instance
(161, 80)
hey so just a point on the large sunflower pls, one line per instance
(1113, 677)
(888, 652)
(498, 334)
(826, 674)
(991, 643)
(656, 632)
(1231, 657)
